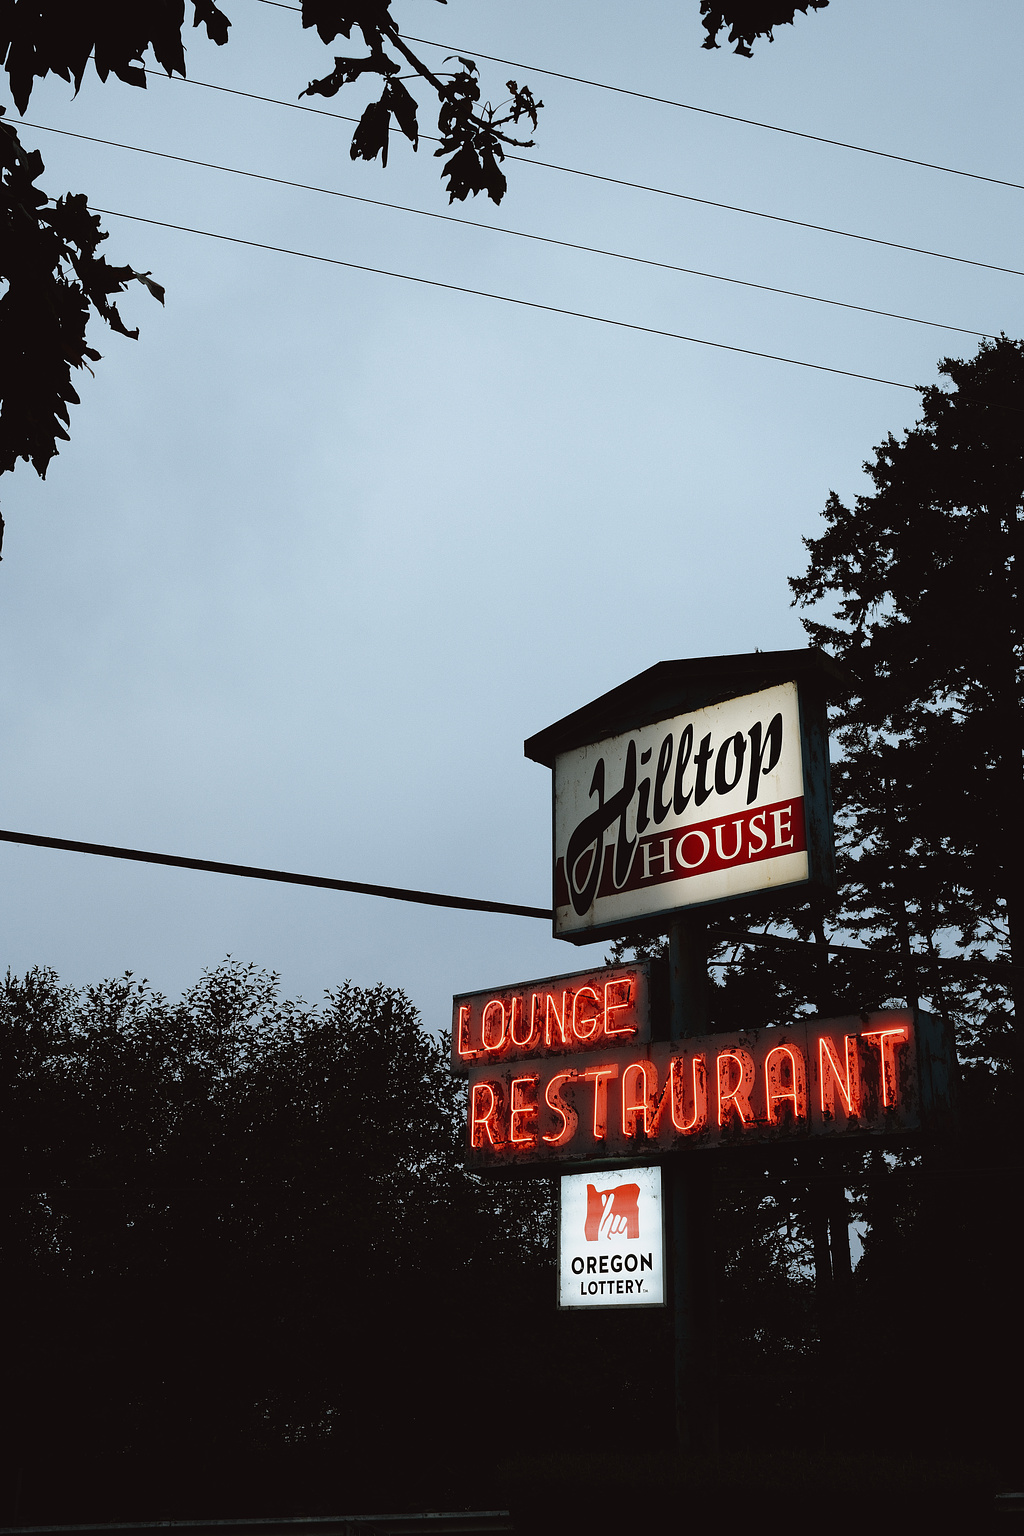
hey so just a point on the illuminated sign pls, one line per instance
(871, 1074)
(692, 784)
(691, 810)
(611, 1239)
(557, 1016)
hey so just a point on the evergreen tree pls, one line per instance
(923, 575)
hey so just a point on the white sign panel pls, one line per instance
(611, 1239)
(690, 810)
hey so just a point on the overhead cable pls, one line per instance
(636, 186)
(420, 898)
(505, 298)
(688, 106)
(499, 229)
(284, 877)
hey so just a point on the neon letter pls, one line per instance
(553, 1099)
(831, 1077)
(887, 1046)
(642, 1103)
(551, 1007)
(775, 1091)
(496, 1045)
(463, 1046)
(599, 1077)
(512, 1023)
(738, 1097)
(676, 1094)
(593, 1020)
(610, 1007)
(520, 1107)
(478, 1123)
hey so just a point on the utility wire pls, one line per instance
(636, 186)
(499, 229)
(285, 877)
(688, 106)
(504, 298)
(402, 893)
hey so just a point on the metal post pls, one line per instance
(839, 1230)
(692, 1214)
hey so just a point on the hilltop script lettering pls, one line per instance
(679, 776)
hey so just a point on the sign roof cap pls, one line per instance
(676, 687)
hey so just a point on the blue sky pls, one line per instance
(326, 546)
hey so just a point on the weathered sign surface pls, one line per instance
(556, 1016)
(611, 1239)
(690, 810)
(697, 782)
(867, 1075)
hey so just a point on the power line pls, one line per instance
(731, 117)
(504, 298)
(688, 106)
(635, 186)
(285, 877)
(499, 229)
(421, 898)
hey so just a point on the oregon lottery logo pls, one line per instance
(612, 1212)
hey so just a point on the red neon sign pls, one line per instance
(561, 1015)
(839, 1085)
(698, 1117)
(735, 1068)
(842, 1077)
(887, 1040)
(785, 1083)
(639, 1086)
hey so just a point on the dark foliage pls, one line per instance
(241, 1255)
(748, 20)
(921, 589)
(240, 1247)
(52, 254)
(924, 577)
(38, 39)
(52, 278)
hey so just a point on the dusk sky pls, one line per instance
(325, 546)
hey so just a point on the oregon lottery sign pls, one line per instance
(685, 787)
(611, 1239)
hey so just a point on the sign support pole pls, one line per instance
(690, 1181)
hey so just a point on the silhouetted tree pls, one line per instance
(923, 576)
(915, 588)
(748, 20)
(53, 278)
(240, 1247)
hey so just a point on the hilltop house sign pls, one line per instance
(697, 782)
